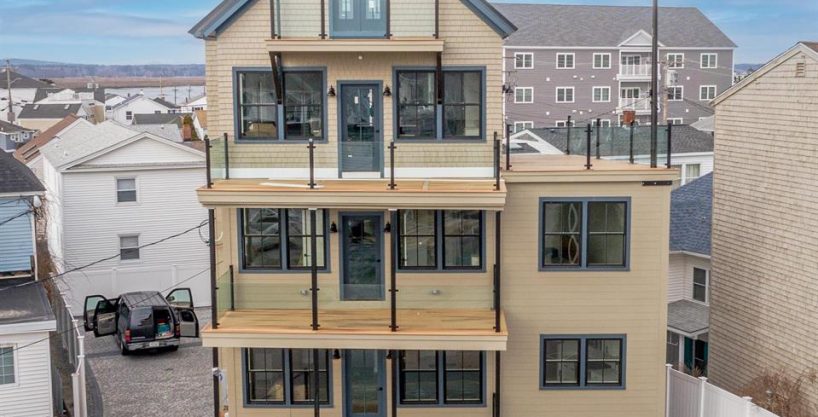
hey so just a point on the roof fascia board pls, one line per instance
(639, 32)
(127, 142)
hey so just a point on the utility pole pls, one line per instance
(654, 87)
(8, 85)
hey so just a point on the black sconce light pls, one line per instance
(333, 228)
(336, 354)
(387, 228)
(331, 91)
(387, 92)
(389, 355)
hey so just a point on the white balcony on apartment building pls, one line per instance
(639, 105)
(634, 72)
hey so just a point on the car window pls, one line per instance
(141, 318)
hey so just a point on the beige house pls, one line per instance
(764, 312)
(430, 278)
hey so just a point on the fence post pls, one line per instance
(668, 369)
(702, 386)
(748, 406)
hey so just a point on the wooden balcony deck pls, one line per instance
(432, 329)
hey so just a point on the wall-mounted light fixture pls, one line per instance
(331, 91)
(333, 228)
(387, 92)
(387, 228)
(336, 354)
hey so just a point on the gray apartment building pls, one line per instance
(593, 62)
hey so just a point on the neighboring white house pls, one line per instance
(689, 274)
(137, 104)
(25, 358)
(200, 123)
(195, 104)
(112, 100)
(111, 190)
(23, 91)
(692, 151)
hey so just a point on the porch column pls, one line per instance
(395, 370)
(214, 309)
(316, 381)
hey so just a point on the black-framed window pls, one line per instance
(582, 362)
(303, 105)
(264, 374)
(419, 377)
(302, 389)
(257, 105)
(584, 234)
(438, 240)
(285, 376)
(463, 377)
(417, 110)
(462, 104)
(418, 246)
(442, 378)
(279, 239)
(561, 362)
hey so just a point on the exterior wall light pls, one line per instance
(331, 91)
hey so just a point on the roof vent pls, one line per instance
(800, 69)
(67, 106)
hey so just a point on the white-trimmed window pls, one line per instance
(520, 126)
(523, 60)
(605, 122)
(565, 94)
(707, 92)
(564, 123)
(565, 60)
(7, 373)
(676, 121)
(524, 95)
(128, 115)
(129, 247)
(676, 61)
(126, 190)
(710, 60)
(701, 284)
(692, 171)
(602, 94)
(602, 60)
(675, 93)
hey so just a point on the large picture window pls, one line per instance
(438, 240)
(583, 362)
(462, 104)
(268, 245)
(442, 378)
(417, 116)
(285, 377)
(584, 234)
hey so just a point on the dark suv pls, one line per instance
(143, 320)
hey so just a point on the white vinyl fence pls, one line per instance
(72, 338)
(688, 396)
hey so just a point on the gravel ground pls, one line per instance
(150, 383)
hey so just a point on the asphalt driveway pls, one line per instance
(146, 384)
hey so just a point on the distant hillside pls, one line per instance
(43, 69)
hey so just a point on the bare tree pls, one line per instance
(782, 393)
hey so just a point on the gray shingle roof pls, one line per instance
(42, 93)
(166, 103)
(48, 111)
(685, 139)
(23, 303)
(811, 45)
(608, 26)
(688, 316)
(16, 177)
(19, 81)
(158, 119)
(691, 209)
(7, 127)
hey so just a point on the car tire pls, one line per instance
(124, 350)
(173, 348)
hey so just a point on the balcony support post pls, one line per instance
(437, 19)
(316, 380)
(392, 148)
(588, 164)
(311, 148)
(395, 369)
(214, 308)
(323, 34)
(669, 143)
(631, 141)
(508, 147)
(496, 162)
(568, 137)
(497, 384)
(393, 275)
(226, 158)
(273, 33)
(654, 86)
(314, 268)
(388, 34)
(208, 164)
(232, 290)
(598, 130)
(498, 218)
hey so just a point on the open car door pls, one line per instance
(180, 298)
(103, 321)
(91, 303)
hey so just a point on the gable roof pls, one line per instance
(167, 131)
(609, 26)
(165, 103)
(31, 149)
(16, 177)
(19, 81)
(7, 127)
(691, 208)
(221, 16)
(82, 139)
(48, 111)
(685, 140)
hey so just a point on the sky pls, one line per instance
(155, 31)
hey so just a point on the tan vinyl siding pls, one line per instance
(415, 18)
(470, 42)
(586, 303)
(764, 311)
(298, 18)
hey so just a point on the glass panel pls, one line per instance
(6, 365)
(364, 382)
(416, 101)
(361, 149)
(303, 105)
(299, 238)
(265, 375)
(462, 239)
(562, 238)
(362, 262)
(418, 247)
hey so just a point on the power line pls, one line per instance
(16, 217)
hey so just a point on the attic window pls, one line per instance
(800, 70)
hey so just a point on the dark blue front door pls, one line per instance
(362, 275)
(360, 129)
(365, 377)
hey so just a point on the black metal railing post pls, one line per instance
(508, 147)
(392, 148)
(669, 143)
(498, 218)
(497, 380)
(316, 382)
(314, 267)
(496, 163)
(208, 174)
(323, 34)
(437, 19)
(311, 148)
(393, 277)
(388, 34)
(226, 158)
(232, 289)
(273, 33)
(568, 137)
(631, 142)
(598, 130)
(588, 147)
(214, 307)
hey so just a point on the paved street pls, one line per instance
(150, 383)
